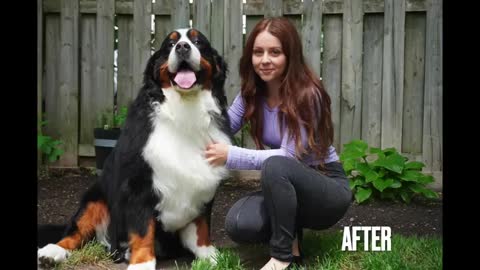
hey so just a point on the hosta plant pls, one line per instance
(383, 173)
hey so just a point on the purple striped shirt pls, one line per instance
(251, 159)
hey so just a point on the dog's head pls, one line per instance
(186, 62)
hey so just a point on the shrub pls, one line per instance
(108, 119)
(49, 146)
(383, 174)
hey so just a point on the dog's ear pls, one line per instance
(152, 70)
(219, 77)
(221, 67)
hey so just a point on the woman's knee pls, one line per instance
(247, 221)
(275, 167)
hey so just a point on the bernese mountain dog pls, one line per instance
(155, 194)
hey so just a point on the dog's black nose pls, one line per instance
(183, 48)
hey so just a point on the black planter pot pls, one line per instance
(105, 140)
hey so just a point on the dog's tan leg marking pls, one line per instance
(203, 238)
(94, 214)
(142, 248)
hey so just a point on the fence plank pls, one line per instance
(39, 75)
(433, 112)
(311, 34)
(273, 8)
(105, 57)
(201, 17)
(51, 75)
(414, 82)
(331, 7)
(232, 46)
(332, 68)
(88, 106)
(163, 24)
(217, 22)
(251, 21)
(352, 47)
(126, 88)
(142, 30)
(68, 98)
(180, 14)
(392, 82)
(372, 79)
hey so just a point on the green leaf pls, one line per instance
(414, 165)
(375, 150)
(366, 171)
(426, 179)
(357, 182)
(396, 184)
(363, 194)
(349, 165)
(417, 188)
(430, 194)
(394, 162)
(350, 154)
(381, 184)
(406, 197)
(389, 151)
(358, 145)
(353, 150)
(413, 176)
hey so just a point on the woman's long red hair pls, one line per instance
(304, 99)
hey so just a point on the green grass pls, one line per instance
(322, 251)
(92, 253)
(406, 253)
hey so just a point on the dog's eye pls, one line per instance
(171, 44)
(196, 42)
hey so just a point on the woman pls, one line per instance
(303, 183)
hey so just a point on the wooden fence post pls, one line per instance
(68, 98)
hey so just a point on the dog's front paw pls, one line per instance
(51, 254)
(150, 265)
(209, 253)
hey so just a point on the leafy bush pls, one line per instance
(112, 119)
(49, 146)
(383, 174)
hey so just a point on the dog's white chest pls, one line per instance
(175, 150)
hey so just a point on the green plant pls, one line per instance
(48, 146)
(383, 174)
(112, 119)
(240, 140)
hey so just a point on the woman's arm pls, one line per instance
(250, 159)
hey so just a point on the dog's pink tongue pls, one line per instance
(185, 78)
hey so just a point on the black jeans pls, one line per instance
(293, 196)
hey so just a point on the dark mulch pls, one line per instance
(60, 191)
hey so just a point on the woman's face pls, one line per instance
(268, 58)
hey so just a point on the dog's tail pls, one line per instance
(49, 233)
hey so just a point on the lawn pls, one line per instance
(322, 251)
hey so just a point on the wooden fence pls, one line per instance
(380, 60)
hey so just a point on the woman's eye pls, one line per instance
(258, 53)
(276, 52)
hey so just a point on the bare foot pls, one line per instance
(275, 264)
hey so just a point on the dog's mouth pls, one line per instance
(185, 77)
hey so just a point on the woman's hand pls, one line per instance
(216, 154)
